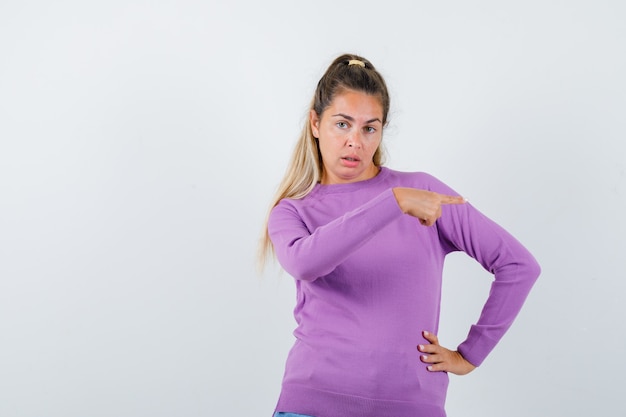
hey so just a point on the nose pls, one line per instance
(354, 140)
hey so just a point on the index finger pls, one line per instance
(452, 199)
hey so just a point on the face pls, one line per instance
(349, 132)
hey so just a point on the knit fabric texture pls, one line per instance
(368, 281)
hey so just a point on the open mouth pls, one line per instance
(351, 158)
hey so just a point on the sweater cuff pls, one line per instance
(385, 208)
(476, 347)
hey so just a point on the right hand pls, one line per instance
(422, 204)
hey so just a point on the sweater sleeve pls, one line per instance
(464, 228)
(309, 254)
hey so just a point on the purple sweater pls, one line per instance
(368, 280)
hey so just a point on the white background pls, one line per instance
(141, 142)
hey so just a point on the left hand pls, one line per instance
(442, 359)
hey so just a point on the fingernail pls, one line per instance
(425, 333)
(423, 357)
(420, 347)
(430, 368)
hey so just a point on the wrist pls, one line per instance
(399, 193)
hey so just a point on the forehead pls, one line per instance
(356, 104)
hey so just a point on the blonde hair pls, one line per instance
(347, 72)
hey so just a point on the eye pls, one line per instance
(342, 125)
(370, 129)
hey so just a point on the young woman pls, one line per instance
(366, 246)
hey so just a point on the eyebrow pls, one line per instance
(350, 118)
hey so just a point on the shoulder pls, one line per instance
(416, 179)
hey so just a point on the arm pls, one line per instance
(515, 272)
(308, 254)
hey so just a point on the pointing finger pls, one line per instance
(449, 199)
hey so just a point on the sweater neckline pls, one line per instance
(351, 186)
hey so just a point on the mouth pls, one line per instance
(350, 161)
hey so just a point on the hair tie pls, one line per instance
(356, 62)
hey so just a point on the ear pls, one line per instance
(314, 119)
